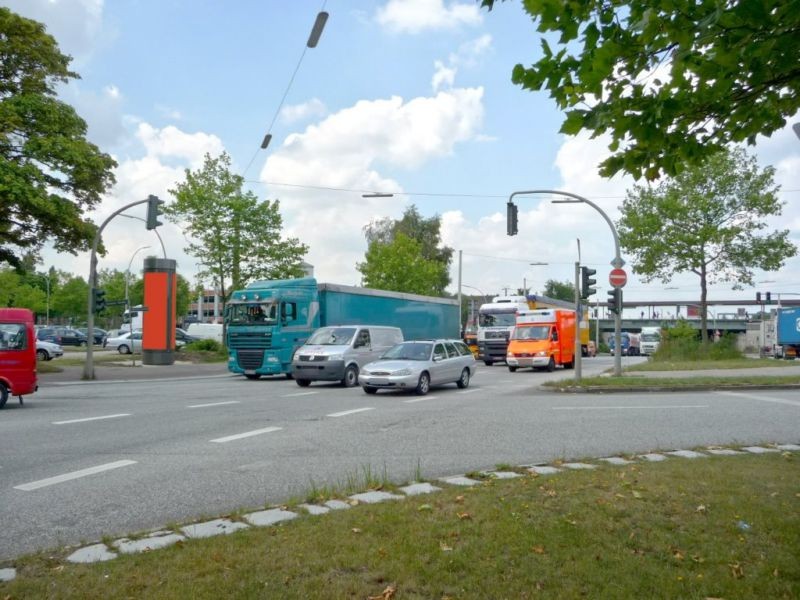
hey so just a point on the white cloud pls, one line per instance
(415, 16)
(301, 112)
(171, 142)
(467, 55)
(443, 76)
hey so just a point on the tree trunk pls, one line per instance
(703, 306)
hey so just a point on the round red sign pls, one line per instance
(618, 278)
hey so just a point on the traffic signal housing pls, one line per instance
(587, 282)
(758, 296)
(511, 218)
(98, 300)
(153, 204)
(769, 297)
(615, 300)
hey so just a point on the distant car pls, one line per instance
(416, 366)
(127, 342)
(100, 335)
(181, 337)
(63, 336)
(48, 350)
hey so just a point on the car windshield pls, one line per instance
(332, 336)
(252, 313)
(537, 332)
(508, 319)
(409, 351)
(651, 337)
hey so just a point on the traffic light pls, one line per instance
(758, 296)
(615, 300)
(153, 204)
(98, 300)
(511, 218)
(587, 283)
(769, 298)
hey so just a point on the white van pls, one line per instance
(206, 331)
(337, 353)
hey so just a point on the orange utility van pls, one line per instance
(17, 354)
(542, 339)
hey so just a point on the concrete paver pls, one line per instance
(212, 528)
(272, 516)
(92, 554)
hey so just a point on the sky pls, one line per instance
(410, 97)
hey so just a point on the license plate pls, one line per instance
(250, 372)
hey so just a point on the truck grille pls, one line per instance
(250, 359)
(497, 335)
(249, 339)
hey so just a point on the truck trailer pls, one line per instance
(267, 321)
(788, 328)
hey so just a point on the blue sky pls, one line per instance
(408, 96)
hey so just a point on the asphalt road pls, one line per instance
(80, 461)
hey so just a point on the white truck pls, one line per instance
(649, 340)
(496, 321)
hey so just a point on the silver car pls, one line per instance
(416, 366)
(127, 342)
(48, 350)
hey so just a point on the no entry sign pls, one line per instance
(618, 278)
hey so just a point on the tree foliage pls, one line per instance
(560, 290)
(49, 173)
(236, 237)
(433, 258)
(708, 221)
(672, 82)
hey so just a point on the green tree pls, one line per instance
(427, 234)
(69, 299)
(672, 82)
(238, 238)
(49, 173)
(400, 266)
(559, 290)
(706, 221)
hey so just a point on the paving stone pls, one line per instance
(789, 447)
(617, 460)
(337, 505)
(653, 457)
(725, 452)
(212, 528)
(92, 554)
(543, 470)
(503, 474)
(7, 574)
(415, 489)
(270, 517)
(687, 454)
(315, 509)
(759, 450)
(460, 480)
(375, 497)
(576, 466)
(152, 542)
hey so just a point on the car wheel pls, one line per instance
(551, 366)
(253, 375)
(42, 355)
(350, 376)
(463, 381)
(3, 395)
(303, 382)
(570, 364)
(423, 385)
(488, 363)
(123, 349)
(512, 369)
(370, 390)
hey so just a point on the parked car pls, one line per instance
(181, 337)
(63, 336)
(48, 350)
(127, 342)
(100, 335)
(416, 366)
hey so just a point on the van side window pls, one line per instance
(451, 350)
(13, 337)
(362, 340)
(554, 336)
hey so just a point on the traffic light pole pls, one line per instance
(88, 366)
(578, 315)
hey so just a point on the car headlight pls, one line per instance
(402, 372)
(510, 355)
(543, 353)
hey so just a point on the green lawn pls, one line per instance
(699, 365)
(640, 381)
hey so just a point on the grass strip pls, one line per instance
(674, 382)
(716, 527)
(700, 365)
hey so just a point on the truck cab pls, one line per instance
(496, 321)
(17, 354)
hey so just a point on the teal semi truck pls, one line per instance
(267, 321)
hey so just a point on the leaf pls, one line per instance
(736, 570)
(386, 594)
(459, 499)
(464, 516)
(444, 547)
(636, 494)
(356, 530)
(701, 509)
(538, 549)
(424, 507)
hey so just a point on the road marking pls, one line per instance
(472, 391)
(627, 407)
(213, 404)
(299, 394)
(91, 419)
(423, 399)
(246, 434)
(760, 398)
(35, 485)
(349, 412)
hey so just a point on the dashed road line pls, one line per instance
(423, 399)
(349, 412)
(472, 391)
(299, 394)
(760, 398)
(246, 434)
(91, 419)
(213, 404)
(657, 406)
(35, 485)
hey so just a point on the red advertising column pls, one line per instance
(158, 326)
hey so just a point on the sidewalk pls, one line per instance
(108, 373)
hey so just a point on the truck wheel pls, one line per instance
(512, 369)
(488, 363)
(253, 375)
(463, 381)
(3, 395)
(350, 376)
(303, 382)
(570, 364)
(551, 366)
(423, 385)
(370, 390)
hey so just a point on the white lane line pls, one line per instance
(472, 391)
(246, 434)
(349, 412)
(299, 394)
(760, 398)
(213, 404)
(91, 419)
(35, 485)
(629, 407)
(423, 399)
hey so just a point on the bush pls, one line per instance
(682, 343)
(203, 346)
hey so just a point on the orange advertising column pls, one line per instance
(158, 326)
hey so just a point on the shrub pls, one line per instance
(682, 343)
(203, 346)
